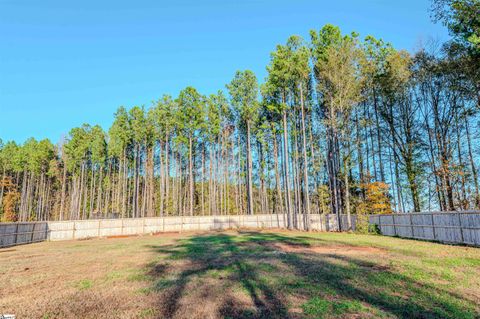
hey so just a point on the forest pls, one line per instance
(342, 124)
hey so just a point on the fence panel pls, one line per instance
(470, 225)
(12, 234)
(447, 227)
(21, 233)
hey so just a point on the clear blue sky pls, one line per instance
(64, 63)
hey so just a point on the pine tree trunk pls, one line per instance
(100, 191)
(472, 165)
(305, 165)
(286, 171)
(2, 181)
(347, 188)
(278, 200)
(379, 144)
(190, 173)
(64, 187)
(203, 179)
(167, 173)
(249, 173)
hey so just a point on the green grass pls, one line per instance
(246, 274)
(407, 279)
(147, 313)
(84, 284)
(323, 308)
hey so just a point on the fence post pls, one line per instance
(33, 231)
(394, 226)
(411, 225)
(380, 223)
(433, 227)
(461, 227)
(16, 234)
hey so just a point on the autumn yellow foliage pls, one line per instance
(376, 202)
(376, 199)
(10, 200)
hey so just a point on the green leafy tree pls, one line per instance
(276, 91)
(120, 140)
(339, 82)
(138, 126)
(462, 18)
(165, 111)
(190, 119)
(300, 76)
(244, 92)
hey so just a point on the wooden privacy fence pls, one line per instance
(447, 227)
(12, 234)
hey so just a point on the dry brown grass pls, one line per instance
(239, 275)
(73, 279)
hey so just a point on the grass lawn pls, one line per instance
(247, 274)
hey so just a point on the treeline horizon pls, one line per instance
(340, 125)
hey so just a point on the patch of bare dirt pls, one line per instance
(120, 236)
(471, 293)
(171, 234)
(6, 250)
(329, 250)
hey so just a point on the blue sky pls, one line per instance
(64, 63)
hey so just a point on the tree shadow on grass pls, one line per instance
(282, 284)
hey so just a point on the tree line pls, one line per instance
(340, 125)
